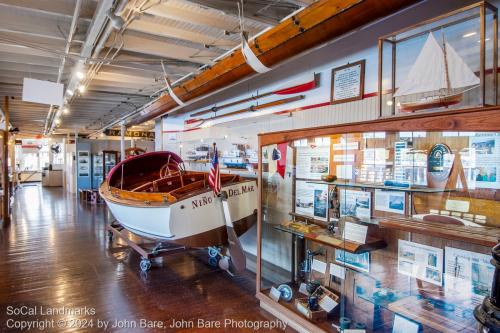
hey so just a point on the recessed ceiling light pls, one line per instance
(65, 111)
(81, 88)
(69, 92)
(80, 75)
(58, 121)
(469, 34)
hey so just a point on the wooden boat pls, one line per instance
(151, 195)
(440, 72)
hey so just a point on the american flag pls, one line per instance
(214, 176)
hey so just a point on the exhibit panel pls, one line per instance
(387, 231)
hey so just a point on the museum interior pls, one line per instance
(249, 166)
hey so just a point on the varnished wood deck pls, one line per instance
(56, 253)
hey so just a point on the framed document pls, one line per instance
(348, 82)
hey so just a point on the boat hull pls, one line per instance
(195, 221)
(442, 101)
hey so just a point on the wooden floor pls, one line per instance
(56, 253)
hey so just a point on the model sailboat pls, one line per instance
(438, 71)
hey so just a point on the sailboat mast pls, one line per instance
(447, 74)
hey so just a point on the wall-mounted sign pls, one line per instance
(440, 161)
(348, 82)
(131, 134)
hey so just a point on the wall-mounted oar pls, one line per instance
(254, 108)
(311, 82)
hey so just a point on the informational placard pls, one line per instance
(345, 158)
(348, 82)
(360, 262)
(319, 266)
(467, 273)
(83, 163)
(390, 201)
(355, 232)
(344, 172)
(484, 161)
(337, 271)
(420, 261)
(275, 294)
(403, 325)
(311, 199)
(354, 145)
(312, 163)
(327, 303)
(355, 203)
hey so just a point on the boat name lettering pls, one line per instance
(244, 189)
(205, 200)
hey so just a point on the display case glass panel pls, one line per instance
(383, 231)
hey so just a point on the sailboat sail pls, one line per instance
(429, 70)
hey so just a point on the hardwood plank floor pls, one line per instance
(56, 253)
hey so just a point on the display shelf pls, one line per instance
(325, 325)
(454, 320)
(485, 236)
(322, 237)
(415, 189)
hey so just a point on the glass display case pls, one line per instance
(97, 170)
(445, 62)
(386, 231)
(110, 158)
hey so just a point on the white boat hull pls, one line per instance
(196, 217)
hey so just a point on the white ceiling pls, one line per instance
(184, 34)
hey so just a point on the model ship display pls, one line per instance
(200, 153)
(151, 195)
(441, 74)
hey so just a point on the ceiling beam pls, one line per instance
(199, 15)
(165, 49)
(50, 7)
(266, 12)
(146, 25)
(32, 24)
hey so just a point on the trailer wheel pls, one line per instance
(213, 252)
(212, 261)
(145, 264)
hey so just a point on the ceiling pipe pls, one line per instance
(96, 30)
(72, 29)
(113, 16)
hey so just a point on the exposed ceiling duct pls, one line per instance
(311, 27)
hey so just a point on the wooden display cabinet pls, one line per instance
(411, 267)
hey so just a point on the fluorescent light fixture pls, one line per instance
(469, 34)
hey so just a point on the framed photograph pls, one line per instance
(360, 262)
(348, 82)
(355, 203)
